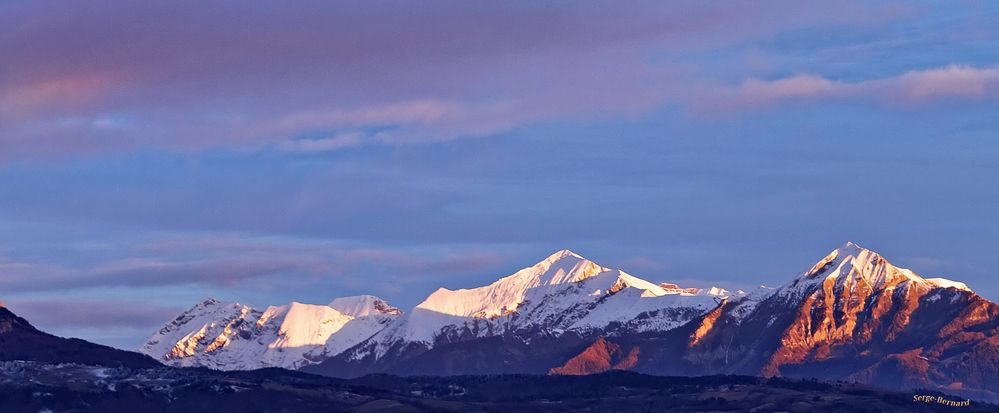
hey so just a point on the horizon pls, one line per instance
(153, 155)
(732, 288)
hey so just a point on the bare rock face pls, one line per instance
(856, 317)
(891, 327)
(599, 357)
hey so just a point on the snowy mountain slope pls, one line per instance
(363, 306)
(231, 336)
(563, 293)
(184, 336)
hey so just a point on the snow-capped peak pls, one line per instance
(852, 263)
(563, 266)
(562, 292)
(560, 254)
(718, 292)
(850, 246)
(507, 293)
(363, 306)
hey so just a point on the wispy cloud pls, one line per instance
(332, 143)
(229, 261)
(59, 313)
(32, 276)
(915, 87)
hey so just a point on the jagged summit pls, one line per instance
(851, 246)
(561, 254)
(232, 336)
(564, 266)
(209, 302)
(851, 263)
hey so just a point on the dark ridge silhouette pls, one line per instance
(19, 340)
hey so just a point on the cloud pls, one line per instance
(339, 141)
(60, 313)
(228, 261)
(947, 82)
(33, 276)
(216, 271)
(66, 91)
(915, 87)
(190, 76)
(756, 91)
(420, 120)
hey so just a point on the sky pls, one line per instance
(153, 154)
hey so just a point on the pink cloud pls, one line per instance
(59, 313)
(946, 82)
(915, 87)
(72, 90)
(801, 86)
(411, 121)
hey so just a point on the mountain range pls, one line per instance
(853, 316)
(40, 372)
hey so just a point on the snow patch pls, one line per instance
(945, 283)
(363, 305)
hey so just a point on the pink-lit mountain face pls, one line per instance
(852, 316)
